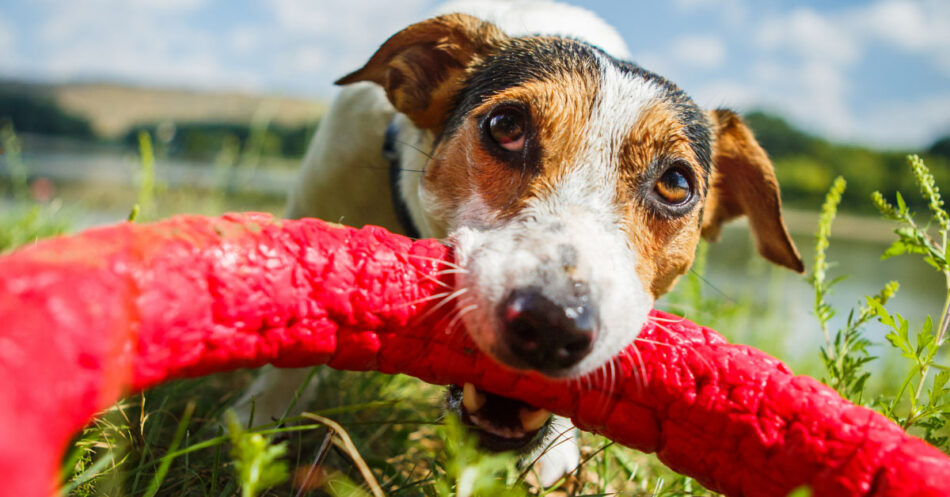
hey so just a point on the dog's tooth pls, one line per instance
(533, 419)
(472, 399)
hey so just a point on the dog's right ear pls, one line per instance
(423, 66)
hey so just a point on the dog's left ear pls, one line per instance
(743, 182)
(423, 66)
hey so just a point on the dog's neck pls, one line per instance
(413, 148)
(400, 206)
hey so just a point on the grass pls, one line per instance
(369, 434)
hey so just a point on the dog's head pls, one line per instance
(574, 186)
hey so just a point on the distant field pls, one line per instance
(113, 109)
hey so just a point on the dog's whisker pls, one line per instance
(452, 296)
(436, 260)
(613, 376)
(417, 149)
(715, 289)
(461, 313)
(429, 277)
(664, 328)
(426, 299)
(387, 168)
(453, 271)
(655, 319)
(637, 364)
(556, 440)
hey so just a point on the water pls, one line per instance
(789, 325)
(782, 322)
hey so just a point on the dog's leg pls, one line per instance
(270, 395)
(559, 454)
(343, 178)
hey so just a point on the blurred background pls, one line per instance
(117, 109)
(207, 105)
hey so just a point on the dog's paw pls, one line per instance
(559, 455)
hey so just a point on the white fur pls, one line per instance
(344, 161)
(502, 257)
(559, 454)
(538, 17)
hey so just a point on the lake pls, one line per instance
(789, 328)
(781, 321)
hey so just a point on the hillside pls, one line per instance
(198, 126)
(112, 110)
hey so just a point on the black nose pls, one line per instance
(545, 335)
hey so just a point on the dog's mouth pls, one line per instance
(501, 424)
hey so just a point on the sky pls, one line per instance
(874, 72)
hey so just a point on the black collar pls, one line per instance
(399, 204)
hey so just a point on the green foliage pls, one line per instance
(806, 164)
(202, 141)
(257, 462)
(146, 176)
(469, 471)
(940, 148)
(155, 444)
(846, 357)
(10, 151)
(23, 226)
(34, 112)
(31, 221)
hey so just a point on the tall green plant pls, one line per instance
(845, 353)
(914, 405)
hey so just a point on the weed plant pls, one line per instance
(368, 434)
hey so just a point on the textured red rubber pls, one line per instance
(91, 317)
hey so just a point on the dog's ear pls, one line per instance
(423, 66)
(743, 182)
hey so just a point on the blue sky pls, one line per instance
(874, 72)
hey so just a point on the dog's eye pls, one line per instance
(674, 186)
(506, 126)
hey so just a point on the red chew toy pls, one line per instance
(90, 317)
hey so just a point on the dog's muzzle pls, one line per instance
(500, 423)
(544, 335)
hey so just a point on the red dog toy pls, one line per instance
(91, 317)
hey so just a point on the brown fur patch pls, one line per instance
(559, 107)
(665, 246)
(743, 182)
(423, 66)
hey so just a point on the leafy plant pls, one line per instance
(909, 406)
(845, 357)
(257, 462)
(845, 354)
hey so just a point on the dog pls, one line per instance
(573, 184)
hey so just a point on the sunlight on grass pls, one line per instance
(373, 434)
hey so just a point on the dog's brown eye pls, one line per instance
(674, 186)
(506, 127)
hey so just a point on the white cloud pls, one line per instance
(913, 26)
(143, 41)
(703, 51)
(322, 42)
(808, 34)
(303, 16)
(245, 40)
(803, 68)
(915, 120)
(734, 12)
(807, 66)
(7, 44)
(355, 20)
(918, 27)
